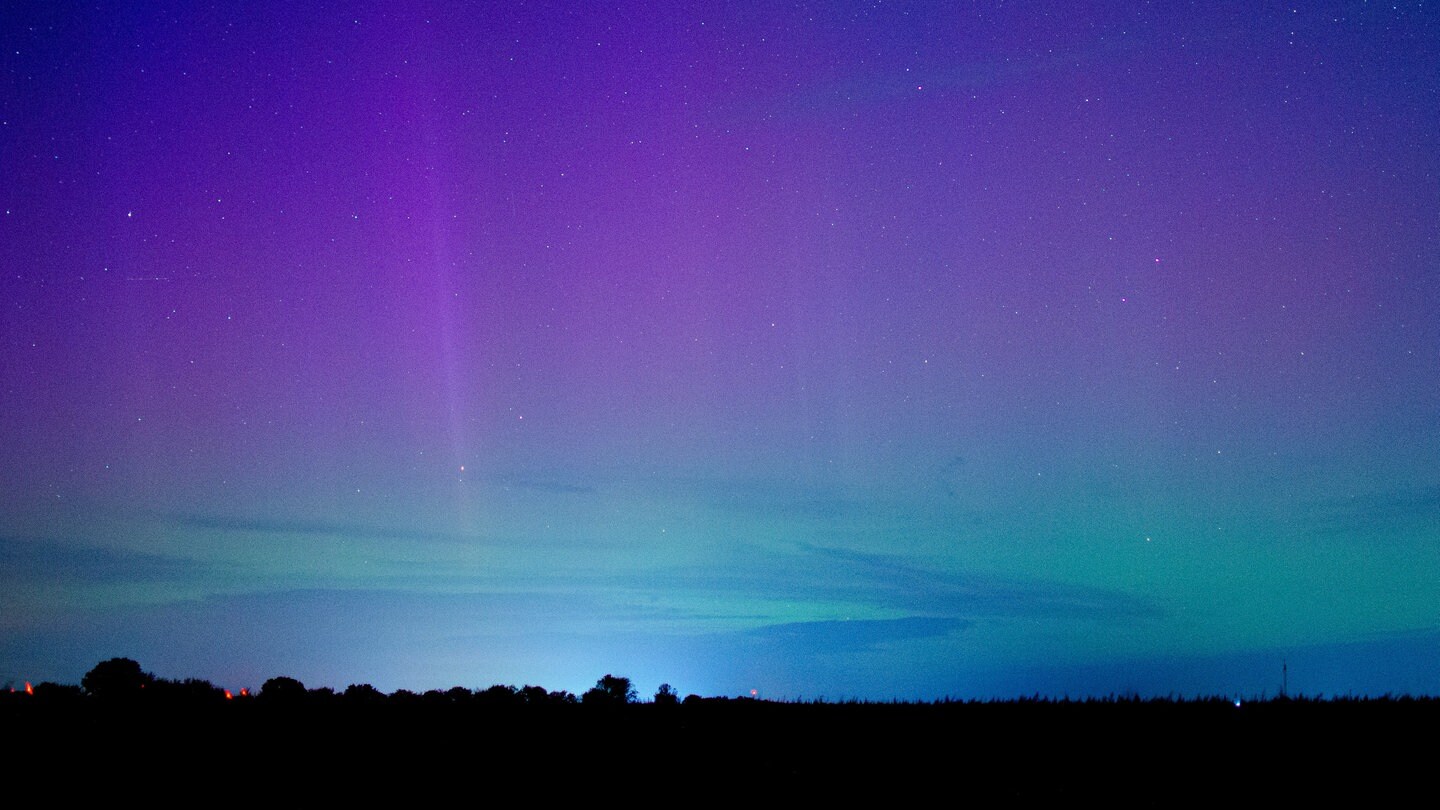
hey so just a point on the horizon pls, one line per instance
(868, 351)
(608, 689)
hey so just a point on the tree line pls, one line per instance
(121, 681)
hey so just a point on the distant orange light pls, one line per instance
(244, 693)
(29, 690)
(229, 696)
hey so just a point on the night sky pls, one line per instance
(822, 349)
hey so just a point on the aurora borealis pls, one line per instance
(843, 349)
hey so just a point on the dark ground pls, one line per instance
(1132, 753)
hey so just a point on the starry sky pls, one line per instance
(826, 349)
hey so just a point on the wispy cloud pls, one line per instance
(889, 582)
(849, 635)
(32, 561)
(1398, 514)
(300, 526)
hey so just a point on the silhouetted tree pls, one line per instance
(363, 693)
(58, 693)
(666, 695)
(117, 679)
(282, 690)
(404, 697)
(322, 696)
(611, 690)
(188, 691)
(498, 696)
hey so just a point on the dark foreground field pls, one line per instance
(1148, 753)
